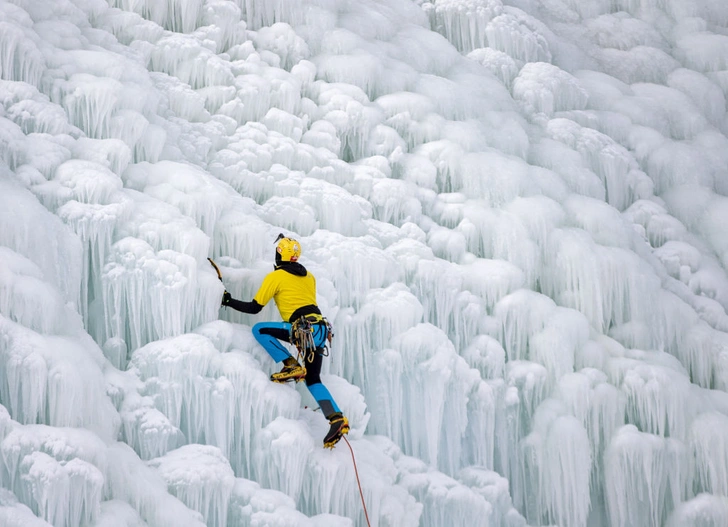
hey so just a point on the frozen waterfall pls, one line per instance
(515, 211)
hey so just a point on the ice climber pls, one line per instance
(294, 290)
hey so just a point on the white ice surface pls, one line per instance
(515, 212)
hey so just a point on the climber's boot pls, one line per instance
(292, 371)
(339, 427)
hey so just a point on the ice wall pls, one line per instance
(514, 211)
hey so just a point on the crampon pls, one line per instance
(339, 427)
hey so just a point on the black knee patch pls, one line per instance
(280, 334)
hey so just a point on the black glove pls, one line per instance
(226, 298)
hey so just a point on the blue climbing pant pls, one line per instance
(271, 336)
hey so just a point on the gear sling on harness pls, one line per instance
(305, 334)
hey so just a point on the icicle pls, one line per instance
(327, 485)
(21, 285)
(434, 378)
(604, 287)
(385, 314)
(117, 513)
(709, 454)
(437, 284)
(262, 13)
(522, 314)
(644, 478)
(349, 109)
(492, 280)
(704, 510)
(500, 64)
(59, 474)
(336, 209)
(527, 385)
(703, 51)
(54, 248)
(250, 505)
(20, 58)
(94, 224)
(281, 456)
(360, 265)
(568, 163)
(39, 116)
(292, 214)
(147, 430)
(543, 87)
(504, 235)
(394, 202)
(600, 407)
(54, 380)
(163, 226)
(705, 94)
(182, 56)
(16, 514)
(177, 371)
(481, 411)
(556, 467)
(463, 23)
(89, 102)
(189, 189)
(486, 355)
(445, 500)
(610, 161)
(257, 402)
(519, 35)
(201, 478)
(658, 399)
(137, 282)
(153, 11)
(130, 480)
(494, 488)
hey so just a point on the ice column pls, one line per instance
(20, 58)
(59, 474)
(252, 505)
(201, 477)
(131, 480)
(644, 477)
(463, 23)
(708, 446)
(494, 488)
(180, 374)
(281, 456)
(358, 337)
(445, 500)
(705, 510)
(262, 13)
(436, 384)
(557, 465)
(16, 514)
(53, 380)
(150, 295)
(256, 403)
(54, 248)
(89, 202)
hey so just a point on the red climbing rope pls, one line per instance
(366, 514)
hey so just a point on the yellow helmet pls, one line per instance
(287, 249)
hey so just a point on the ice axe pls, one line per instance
(219, 275)
(217, 269)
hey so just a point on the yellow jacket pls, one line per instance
(289, 291)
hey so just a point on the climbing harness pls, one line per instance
(301, 336)
(356, 472)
